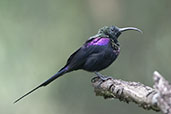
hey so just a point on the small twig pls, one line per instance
(143, 95)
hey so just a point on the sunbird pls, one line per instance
(96, 54)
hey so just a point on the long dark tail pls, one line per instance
(58, 74)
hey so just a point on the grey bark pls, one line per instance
(157, 98)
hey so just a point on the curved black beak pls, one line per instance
(129, 28)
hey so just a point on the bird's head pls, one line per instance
(114, 32)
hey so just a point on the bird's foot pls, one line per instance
(102, 77)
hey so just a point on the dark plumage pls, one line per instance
(96, 54)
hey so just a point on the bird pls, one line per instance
(96, 54)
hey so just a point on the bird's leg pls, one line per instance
(102, 77)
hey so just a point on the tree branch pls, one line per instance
(157, 98)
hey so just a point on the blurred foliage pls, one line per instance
(37, 37)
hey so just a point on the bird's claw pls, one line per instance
(95, 79)
(102, 77)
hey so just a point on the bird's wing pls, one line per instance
(78, 58)
(71, 57)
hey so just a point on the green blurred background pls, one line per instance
(37, 37)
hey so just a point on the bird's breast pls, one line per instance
(115, 48)
(116, 51)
